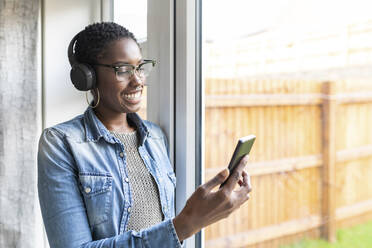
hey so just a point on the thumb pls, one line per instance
(216, 180)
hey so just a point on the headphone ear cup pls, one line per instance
(83, 77)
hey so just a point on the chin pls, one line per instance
(132, 109)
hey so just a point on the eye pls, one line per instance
(124, 69)
(123, 72)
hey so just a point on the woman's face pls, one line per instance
(115, 95)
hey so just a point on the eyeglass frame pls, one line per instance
(134, 68)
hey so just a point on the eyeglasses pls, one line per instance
(125, 71)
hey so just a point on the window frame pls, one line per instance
(174, 39)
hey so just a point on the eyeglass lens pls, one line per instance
(124, 73)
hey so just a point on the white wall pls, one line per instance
(62, 20)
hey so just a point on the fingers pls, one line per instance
(241, 180)
(234, 178)
(216, 180)
(249, 181)
(246, 187)
(246, 179)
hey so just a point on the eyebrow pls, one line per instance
(127, 63)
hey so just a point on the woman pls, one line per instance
(104, 177)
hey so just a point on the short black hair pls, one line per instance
(92, 41)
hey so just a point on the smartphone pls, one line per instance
(243, 148)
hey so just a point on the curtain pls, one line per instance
(20, 121)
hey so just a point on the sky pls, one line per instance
(243, 17)
(237, 18)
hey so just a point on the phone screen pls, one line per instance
(243, 148)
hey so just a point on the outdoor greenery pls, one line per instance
(359, 236)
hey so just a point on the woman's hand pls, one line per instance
(205, 207)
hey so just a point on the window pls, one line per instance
(295, 74)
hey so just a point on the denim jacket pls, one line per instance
(84, 194)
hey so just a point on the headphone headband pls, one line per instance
(71, 50)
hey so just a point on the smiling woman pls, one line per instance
(104, 177)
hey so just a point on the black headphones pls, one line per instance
(82, 75)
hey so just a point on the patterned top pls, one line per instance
(146, 208)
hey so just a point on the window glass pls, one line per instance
(132, 15)
(295, 73)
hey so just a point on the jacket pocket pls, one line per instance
(96, 189)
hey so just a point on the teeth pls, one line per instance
(133, 96)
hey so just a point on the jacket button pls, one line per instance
(87, 190)
(129, 210)
(121, 154)
(127, 179)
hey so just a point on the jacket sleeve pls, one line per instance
(63, 210)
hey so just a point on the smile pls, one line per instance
(133, 96)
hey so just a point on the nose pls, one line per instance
(135, 79)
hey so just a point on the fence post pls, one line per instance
(329, 161)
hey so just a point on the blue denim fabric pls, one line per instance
(83, 194)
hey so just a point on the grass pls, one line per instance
(359, 236)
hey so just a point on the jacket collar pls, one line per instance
(94, 128)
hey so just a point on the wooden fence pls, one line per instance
(311, 164)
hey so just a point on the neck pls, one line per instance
(113, 121)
